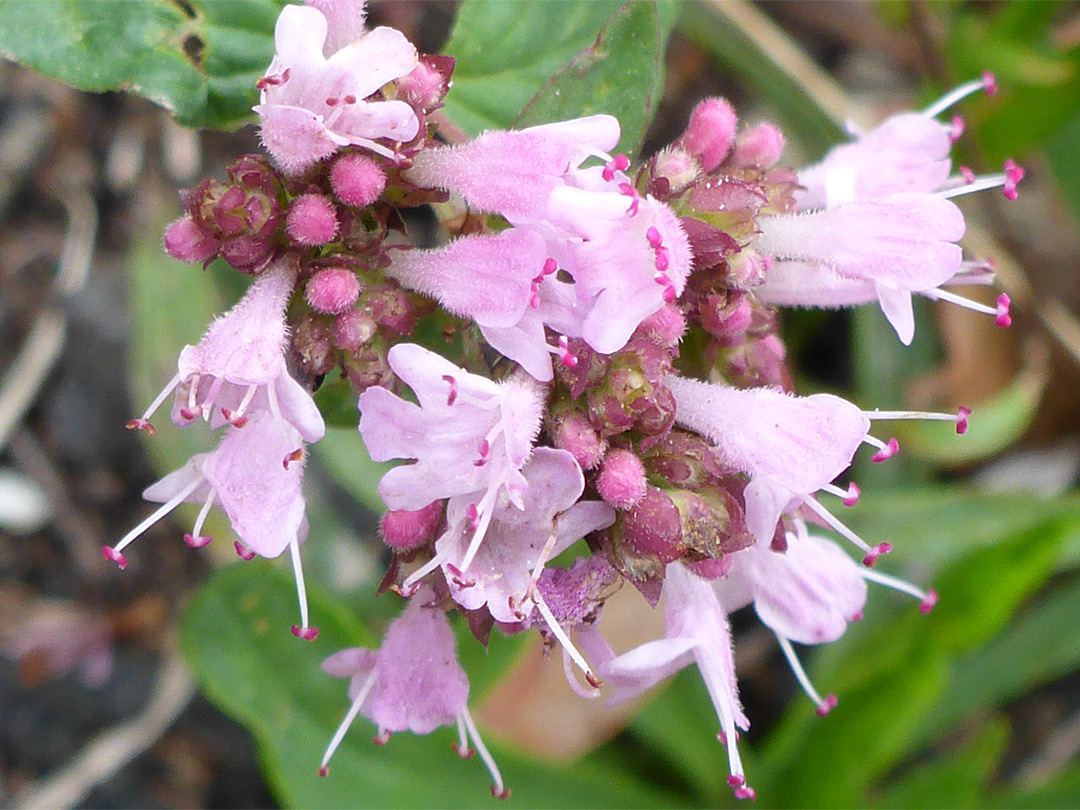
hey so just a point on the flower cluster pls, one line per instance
(567, 417)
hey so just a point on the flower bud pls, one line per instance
(404, 530)
(571, 431)
(357, 180)
(333, 290)
(677, 167)
(247, 253)
(312, 220)
(390, 306)
(726, 317)
(427, 84)
(368, 367)
(622, 479)
(759, 146)
(712, 522)
(187, 241)
(709, 134)
(666, 326)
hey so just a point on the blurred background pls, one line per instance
(148, 689)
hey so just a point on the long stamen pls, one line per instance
(1007, 180)
(354, 710)
(986, 82)
(927, 599)
(411, 583)
(850, 497)
(236, 418)
(498, 789)
(143, 422)
(484, 509)
(196, 539)
(1001, 314)
(113, 552)
(736, 776)
(568, 670)
(303, 631)
(872, 552)
(461, 747)
(560, 634)
(960, 417)
(824, 705)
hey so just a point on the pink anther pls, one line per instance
(1003, 318)
(962, 415)
(891, 448)
(141, 424)
(111, 554)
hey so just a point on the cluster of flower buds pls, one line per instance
(572, 414)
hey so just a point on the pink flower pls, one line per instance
(900, 244)
(790, 447)
(313, 93)
(238, 368)
(519, 541)
(512, 172)
(696, 631)
(806, 593)
(627, 256)
(254, 477)
(468, 435)
(412, 683)
(902, 162)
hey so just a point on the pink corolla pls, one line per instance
(238, 369)
(315, 91)
(254, 476)
(512, 172)
(900, 244)
(790, 447)
(488, 278)
(696, 632)
(628, 257)
(519, 541)
(412, 683)
(468, 436)
(843, 249)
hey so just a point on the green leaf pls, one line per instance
(1032, 650)
(621, 74)
(507, 49)
(1064, 159)
(202, 66)
(236, 638)
(957, 780)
